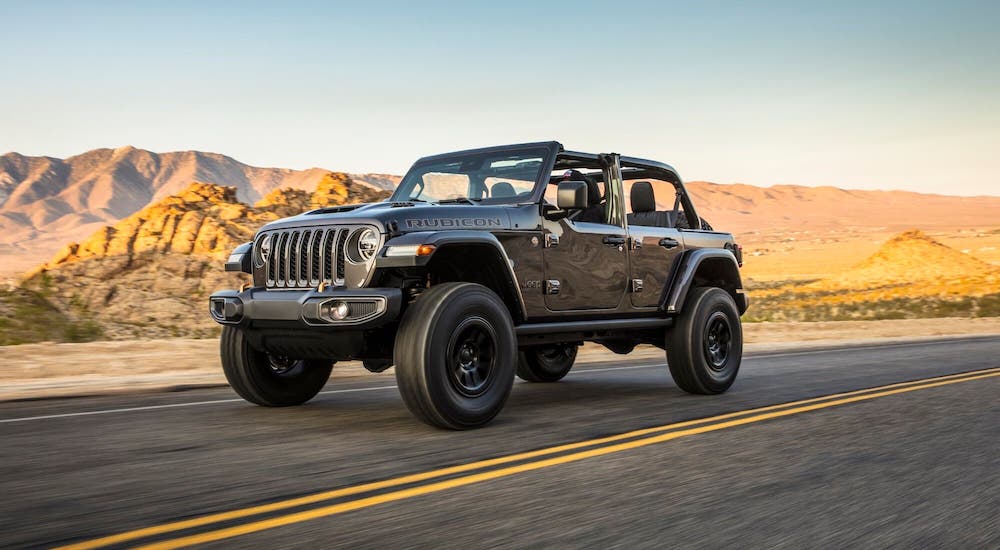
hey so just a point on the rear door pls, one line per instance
(653, 250)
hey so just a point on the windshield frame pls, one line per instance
(546, 150)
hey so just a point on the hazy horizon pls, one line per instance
(764, 185)
(895, 96)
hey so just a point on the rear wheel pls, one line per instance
(269, 380)
(455, 354)
(705, 345)
(546, 364)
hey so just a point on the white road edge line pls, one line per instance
(871, 346)
(168, 406)
(628, 367)
(352, 390)
(238, 400)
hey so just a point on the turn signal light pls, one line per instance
(425, 250)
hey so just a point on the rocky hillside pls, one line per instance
(910, 276)
(46, 201)
(151, 273)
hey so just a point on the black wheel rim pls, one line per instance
(718, 341)
(472, 357)
(281, 365)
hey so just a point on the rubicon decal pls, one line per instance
(453, 222)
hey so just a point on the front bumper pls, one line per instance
(298, 323)
(366, 308)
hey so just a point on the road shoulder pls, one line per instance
(49, 370)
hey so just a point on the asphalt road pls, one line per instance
(835, 463)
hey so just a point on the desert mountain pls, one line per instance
(46, 201)
(911, 275)
(744, 208)
(912, 258)
(150, 273)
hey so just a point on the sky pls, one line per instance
(869, 95)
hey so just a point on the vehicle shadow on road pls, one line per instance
(530, 406)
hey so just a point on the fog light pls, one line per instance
(339, 311)
(227, 309)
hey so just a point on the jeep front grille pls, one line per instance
(303, 258)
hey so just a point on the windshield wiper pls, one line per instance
(456, 200)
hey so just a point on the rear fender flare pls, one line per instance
(715, 263)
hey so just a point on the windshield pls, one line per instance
(497, 177)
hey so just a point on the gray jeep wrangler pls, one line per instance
(482, 265)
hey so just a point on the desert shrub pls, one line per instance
(798, 308)
(84, 331)
(988, 306)
(28, 316)
(751, 284)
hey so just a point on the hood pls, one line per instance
(404, 217)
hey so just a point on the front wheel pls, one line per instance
(455, 353)
(269, 380)
(546, 364)
(705, 345)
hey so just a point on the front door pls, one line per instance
(586, 262)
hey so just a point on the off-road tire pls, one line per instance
(546, 363)
(254, 377)
(698, 362)
(455, 355)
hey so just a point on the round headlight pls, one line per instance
(367, 244)
(264, 250)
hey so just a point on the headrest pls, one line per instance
(573, 175)
(502, 189)
(643, 199)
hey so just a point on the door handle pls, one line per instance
(612, 240)
(667, 242)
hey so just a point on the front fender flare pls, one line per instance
(444, 239)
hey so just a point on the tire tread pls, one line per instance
(239, 360)
(411, 352)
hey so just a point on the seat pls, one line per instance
(644, 210)
(502, 189)
(594, 212)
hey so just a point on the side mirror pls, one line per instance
(571, 195)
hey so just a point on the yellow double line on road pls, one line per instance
(602, 446)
